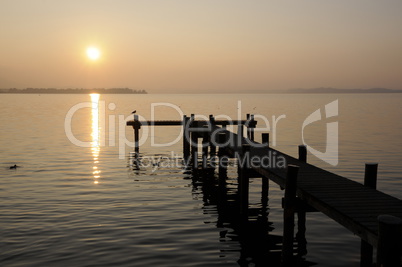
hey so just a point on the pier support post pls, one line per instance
(136, 126)
(265, 139)
(303, 153)
(370, 175)
(389, 248)
(194, 147)
(301, 213)
(193, 143)
(244, 178)
(186, 137)
(248, 126)
(288, 215)
(205, 144)
(264, 190)
(212, 143)
(240, 134)
(252, 126)
(370, 180)
(265, 180)
(223, 159)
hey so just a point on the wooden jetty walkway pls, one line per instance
(370, 214)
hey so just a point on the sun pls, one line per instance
(93, 53)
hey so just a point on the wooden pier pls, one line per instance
(368, 213)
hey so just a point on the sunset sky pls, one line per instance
(168, 46)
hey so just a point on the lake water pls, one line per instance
(70, 205)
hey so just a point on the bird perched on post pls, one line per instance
(134, 112)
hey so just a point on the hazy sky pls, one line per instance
(201, 46)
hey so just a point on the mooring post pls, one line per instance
(265, 139)
(240, 134)
(265, 180)
(303, 153)
(186, 137)
(184, 133)
(223, 159)
(193, 142)
(264, 190)
(288, 215)
(252, 126)
(389, 248)
(370, 180)
(244, 178)
(194, 148)
(205, 144)
(301, 213)
(136, 126)
(370, 175)
(248, 126)
(212, 151)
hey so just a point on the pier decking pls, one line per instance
(349, 203)
(357, 207)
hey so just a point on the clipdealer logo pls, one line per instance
(330, 155)
(99, 127)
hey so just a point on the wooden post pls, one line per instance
(303, 153)
(370, 180)
(186, 136)
(389, 248)
(301, 214)
(265, 180)
(244, 179)
(370, 175)
(252, 126)
(184, 132)
(265, 139)
(193, 142)
(205, 145)
(223, 160)
(264, 191)
(137, 127)
(248, 126)
(239, 134)
(194, 147)
(212, 152)
(288, 215)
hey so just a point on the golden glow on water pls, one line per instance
(95, 134)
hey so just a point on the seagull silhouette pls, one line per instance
(134, 112)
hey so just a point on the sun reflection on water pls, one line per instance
(95, 134)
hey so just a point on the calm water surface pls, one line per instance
(84, 206)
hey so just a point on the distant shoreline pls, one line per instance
(133, 91)
(324, 90)
(72, 91)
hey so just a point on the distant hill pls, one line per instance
(321, 90)
(328, 90)
(71, 91)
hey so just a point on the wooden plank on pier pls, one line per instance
(195, 123)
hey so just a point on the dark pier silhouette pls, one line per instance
(368, 213)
